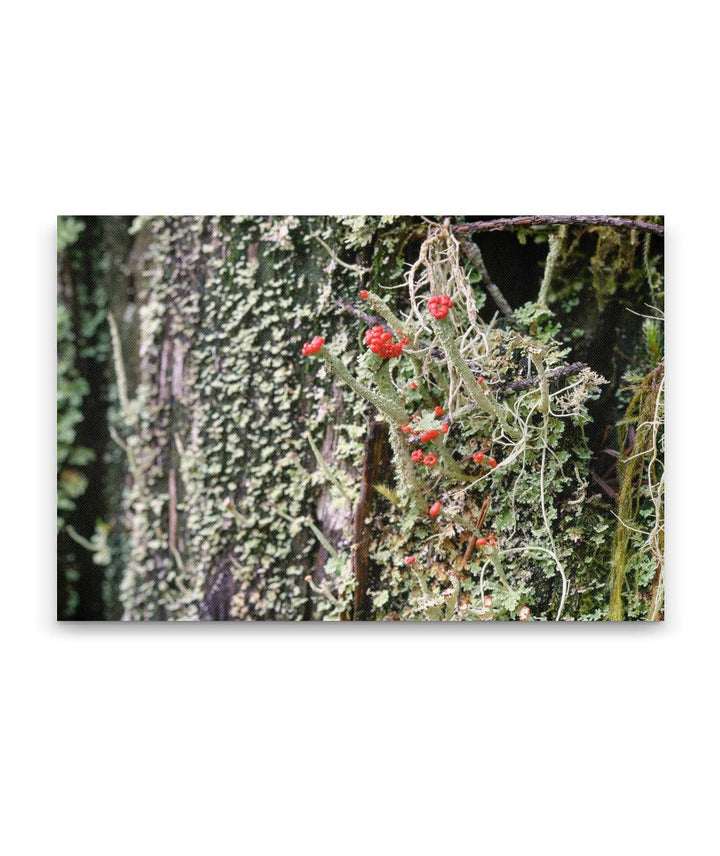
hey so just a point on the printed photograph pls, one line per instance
(429, 418)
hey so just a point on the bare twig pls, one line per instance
(83, 542)
(606, 488)
(474, 256)
(370, 320)
(119, 365)
(334, 256)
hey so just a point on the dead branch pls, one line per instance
(474, 256)
(503, 224)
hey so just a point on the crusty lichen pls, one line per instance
(222, 411)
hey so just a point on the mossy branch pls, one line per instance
(537, 360)
(644, 411)
(450, 464)
(553, 255)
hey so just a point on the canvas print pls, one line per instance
(431, 418)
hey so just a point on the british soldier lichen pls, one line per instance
(230, 507)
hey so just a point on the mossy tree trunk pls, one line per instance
(207, 425)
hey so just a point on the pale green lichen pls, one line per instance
(224, 404)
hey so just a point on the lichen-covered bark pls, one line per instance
(237, 480)
(222, 471)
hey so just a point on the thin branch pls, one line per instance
(334, 256)
(83, 542)
(606, 488)
(119, 365)
(503, 224)
(370, 320)
(533, 380)
(555, 242)
(474, 256)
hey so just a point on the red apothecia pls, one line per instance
(313, 347)
(380, 342)
(438, 306)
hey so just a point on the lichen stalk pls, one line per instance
(388, 408)
(445, 333)
(405, 472)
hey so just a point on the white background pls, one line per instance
(358, 739)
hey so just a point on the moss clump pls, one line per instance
(636, 584)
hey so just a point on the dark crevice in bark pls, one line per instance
(376, 452)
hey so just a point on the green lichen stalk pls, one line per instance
(387, 405)
(445, 333)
